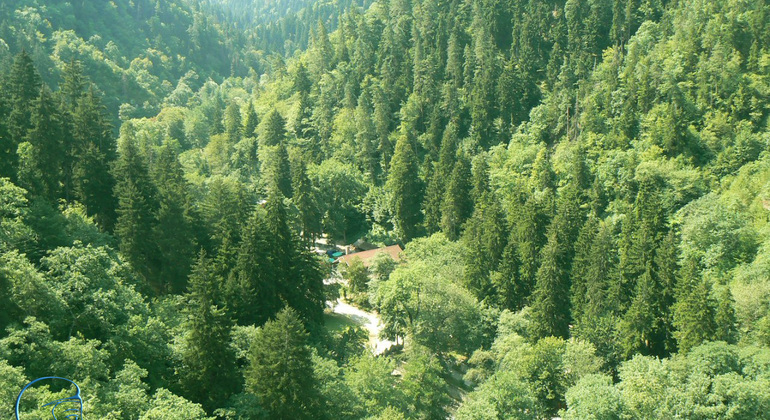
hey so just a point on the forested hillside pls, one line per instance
(581, 188)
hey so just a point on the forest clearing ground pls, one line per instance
(343, 313)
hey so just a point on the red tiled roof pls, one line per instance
(394, 251)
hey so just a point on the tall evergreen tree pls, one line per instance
(74, 84)
(22, 87)
(405, 189)
(531, 235)
(173, 232)
(457, 205)
(251, 121)
(92, 183)
(484, 237)
(434, 194)
(280, 371)
(46, 137)
(694, 317)
(581, 266)
(253, 287)
(274, 130)
(208, 371)
(550, 314)
(307, 204)
(137, 207)
(233, 123)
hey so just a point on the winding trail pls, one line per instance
(369, 320)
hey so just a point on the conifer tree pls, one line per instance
(8, 148)
(484, 236)
(233, 123)
(434, 194)
(92, 183)
(511, 292)
(643, 327)
(22, 87)
(251, 121)
(253, 287)
(301, 80)
(405, 188)
(137, 207)
(581, 266)
(173, 232)
(367, 155)
(280, 371)
(456, 206)
(208, 372)
(724, 317)
(530, 234)
(274, 131)
(305, 199)
(217, 124)
(278, 170)
(550, 314)
(599, 277)
(693, 311)
(74, 84)
(46, 137)
(302, 124)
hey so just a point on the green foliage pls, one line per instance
(503, 396)
(405, 189)
(610, 141)
(208, 372)
(280, 371)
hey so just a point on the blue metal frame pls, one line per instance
(75, 397)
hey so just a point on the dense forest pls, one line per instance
(581, 188)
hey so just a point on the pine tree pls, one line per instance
(434, 193)
(550, 314)
(253, 288)
(301, 80)
(173, 232)
(277, 170)
(280, 371)
(694, 317)
(530, 233)
(724, 318)
(367, 156)
(46, 136)
(233, 124)
(251, 121)
(92, 183)
(457, 207)
(484, 237)
(74, 84)
(405, 188)
(21, 89)
(217, 125)
(511, 292)
(209, 374)
(542, 177)
(302, 125)
(480, 178)
(307, 204)
(599, 276)
(274, 131)
(643, 327)
(137, 207)
(581, 266)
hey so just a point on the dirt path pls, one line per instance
(368, 320)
